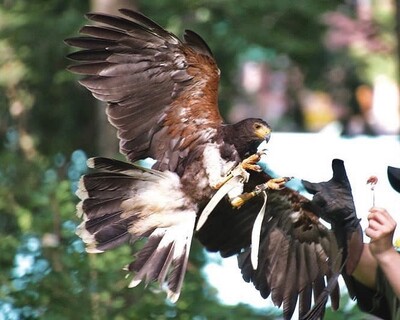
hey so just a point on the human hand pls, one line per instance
(381, 227)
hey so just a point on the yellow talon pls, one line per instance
(277, 183)
(250, 162)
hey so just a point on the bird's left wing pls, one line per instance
(161, 92)
(297, 254)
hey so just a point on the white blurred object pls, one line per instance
(385, 115)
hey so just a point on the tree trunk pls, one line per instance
(106, 135)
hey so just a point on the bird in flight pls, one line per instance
(162, 97)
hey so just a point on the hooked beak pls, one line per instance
(264, 133)
(267, 137)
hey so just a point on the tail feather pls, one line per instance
(147, 251)
(124, 202)
(164, 259)
(111, 243)
(104, 185)
(98, 208)
(179, 264)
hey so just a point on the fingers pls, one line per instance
(374, 230)
(381, 216)
(371, 234)
(380, 224)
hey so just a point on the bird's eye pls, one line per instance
(257, 126)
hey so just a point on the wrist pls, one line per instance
(385, 257)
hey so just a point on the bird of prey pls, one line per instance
(162, 96)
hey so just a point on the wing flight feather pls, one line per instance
(162, 92)
(297, 254)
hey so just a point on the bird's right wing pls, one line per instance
(298, 256)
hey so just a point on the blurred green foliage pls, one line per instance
(234, 29)
(55, 111)
(47, 127)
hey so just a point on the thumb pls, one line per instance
(311, 187)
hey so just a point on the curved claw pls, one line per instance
(250, 163)
(277, 183)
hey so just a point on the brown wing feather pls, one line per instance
(162, 93)
(297, 253)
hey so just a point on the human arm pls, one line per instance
(365, 271)
(335, 202)
(380, 229)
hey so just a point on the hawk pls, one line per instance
(162, 97)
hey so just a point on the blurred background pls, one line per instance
(310, 68)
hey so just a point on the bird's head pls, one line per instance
(248, 134)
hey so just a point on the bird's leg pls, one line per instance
(273, 184)
(250, 163)
(224, 180)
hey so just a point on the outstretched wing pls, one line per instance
(162, 93)
(297, 254)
